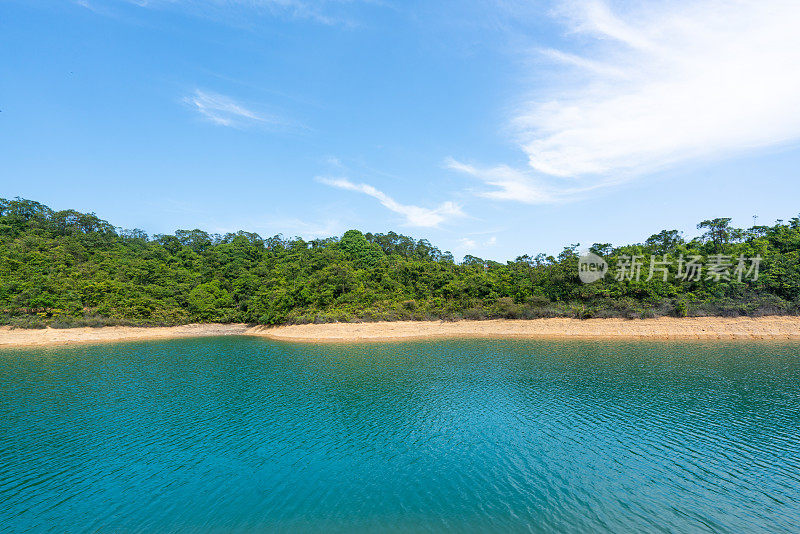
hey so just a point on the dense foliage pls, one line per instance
(68, 268)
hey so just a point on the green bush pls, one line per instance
(65, 269)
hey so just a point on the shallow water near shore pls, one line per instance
(241, 434)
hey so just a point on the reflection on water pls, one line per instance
(241, 434)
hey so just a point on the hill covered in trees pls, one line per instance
(66, 268)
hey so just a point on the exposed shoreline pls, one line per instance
(20, 337)
(709, 328)
(701, 328)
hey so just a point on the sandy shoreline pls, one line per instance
(785, 328)
(60, 336)
(704, 328)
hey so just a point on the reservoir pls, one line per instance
(242, 434)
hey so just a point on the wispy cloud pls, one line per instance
(328, 12)
(527, 186)
(225, 111)
(661, 84)
(507, 183)
(467, 244)
(414, 215)
(306, 229)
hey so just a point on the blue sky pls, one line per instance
(492, 128)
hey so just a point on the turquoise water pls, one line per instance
(249, 435)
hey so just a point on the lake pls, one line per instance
(238, 434)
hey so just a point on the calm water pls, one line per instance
(249, 435)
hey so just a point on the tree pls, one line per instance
(601, 249)
(209, 301)
(70, 266)
(196, 240)
(471, 260)
(357, 248)
(665, 241)
(718, 231)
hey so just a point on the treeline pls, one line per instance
(67, 268)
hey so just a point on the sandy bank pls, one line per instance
(709, 328)
(661, 328)
(58, 336)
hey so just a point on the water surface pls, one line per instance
(251, 435)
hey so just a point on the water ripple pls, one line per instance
(248, 435)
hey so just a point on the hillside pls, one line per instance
(65, 268)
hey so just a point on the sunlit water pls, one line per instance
(249, 435)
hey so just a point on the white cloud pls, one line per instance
(334, 162)
(508, 183)
(414, 215)
(267, 227)
(663, 84)
(225, 111)
(466, 244)
(308, 230)
(524, 185)
(329, 12)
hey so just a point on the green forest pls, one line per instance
(66, 268)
